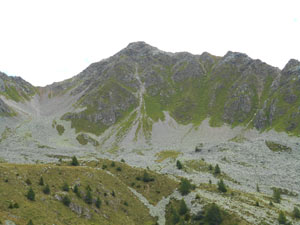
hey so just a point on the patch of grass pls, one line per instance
(168, 154)
(276, 147)
(47, 209)
(60, 129)
(160, 185)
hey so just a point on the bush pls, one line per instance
(46, 189)
(296, 213)
(76, 191)
(213, 215)
(217, 170)
(66, 200)
(183, 209)
(175, 217)
(147, 178)
(65, 187)
(60, 129)
(98, 203)
(276, 195)
(119, 169)
(30, 222)
(112, 164)
(221, 186)
(185, 186)
(179, 165)
(281, 218)
(122, 160)
(88, 197)
(41, 182)
(16, 205)
(74, 161)
(257, 188)
(104, 167)
(28, 182)
(30, 194)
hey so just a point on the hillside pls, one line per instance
(153, 108)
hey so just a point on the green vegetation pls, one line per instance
(84, 139)
(221, 186)
(217, 170)
(60, 129)
(46, 189)
(163, 155)
(151, 185)
(185, 186)
(179, 165)
(74, 161)
(296, 213)
(122, 208)
(275, 147)
(281, 218)
(276, 195)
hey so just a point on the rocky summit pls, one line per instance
(152, 109)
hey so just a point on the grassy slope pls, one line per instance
(46, 209)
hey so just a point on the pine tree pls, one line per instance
(76, 191)
(66, 200)
(296, 213)
(217, 170)
(182, 207)
(276, 195)
(179, 165)
(88, 198)
(281, 218)
(213, 215)
(74, 161)
(30, 222)
(175, 217)
(98, 203)
(30, 194)
(41, 182)
(46, 189)
(65, 187)
(257, 188)
(221, 186)
(185, 186)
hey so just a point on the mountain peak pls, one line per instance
(292, 65)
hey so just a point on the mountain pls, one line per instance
(154, 108)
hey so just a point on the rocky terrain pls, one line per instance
(152, 108)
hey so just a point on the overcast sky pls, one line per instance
(46, 41)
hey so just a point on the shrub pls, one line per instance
(213, 215)
(257, 188)
(217, 170)
(210, 167)
(185, 186)
(221, 186)
(122, 160)
(98, 203)
(60, 129)
(113, 194)
(296, 213)
(119, 169)
(16, 205)
(104, 167)
(66, 200)
(74, 161)
(41, 182)
(179, 165)
(65, 187)
(147, 178)
(46, 189)
(30, 222)
(175, 217)
(28, 182)
(183, 209)
(30, 194)
(126, 203)
(88, 197)
(76, 191)
(281, 218)
(276, 195)
(112, 164)
(10, 206)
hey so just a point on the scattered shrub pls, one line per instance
(281, 218)
(221, 186)
(217, 170)
(65, 187)
(74, 161)
(183, 209)
(98, 203)
(30, 194)
(213, 215)
(66, 200)
(179, 165)
(185, 186)
(41, 182)
(28, 182)
(88, 197)
(296, 213)
(46, 189)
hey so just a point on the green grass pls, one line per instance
(275, 147)
(168, 154)
(154, 191)
(46, 209)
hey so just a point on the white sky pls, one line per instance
(46, 41)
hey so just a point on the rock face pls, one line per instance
(233, 89)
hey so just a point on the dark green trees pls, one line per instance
(66, 200)
(46, 189)
(217, 170)
(41, 182)
(183, 209)
(213, 215)
(221, 186)
(296, 213)
(30, 194)
(179, 165)
(185, 186)
(74, 161)
(98, 203)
